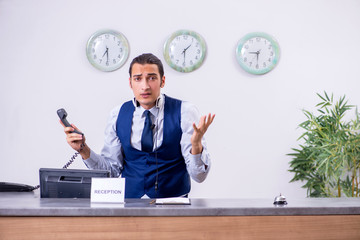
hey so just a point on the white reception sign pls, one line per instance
(108, 190)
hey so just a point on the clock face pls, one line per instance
(185, 51)
(107, 50)
(257, 53)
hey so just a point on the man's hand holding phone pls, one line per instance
(74, 137)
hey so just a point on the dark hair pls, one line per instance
(147, 58)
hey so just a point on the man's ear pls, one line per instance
(162, 82)
(130, 82)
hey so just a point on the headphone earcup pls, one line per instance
(136, 102)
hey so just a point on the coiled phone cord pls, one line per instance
(73, 157)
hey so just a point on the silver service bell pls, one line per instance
(280, 200)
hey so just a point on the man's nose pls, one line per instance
(145, 84)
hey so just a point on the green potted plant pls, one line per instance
(328, 157)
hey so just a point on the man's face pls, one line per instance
(145, 82)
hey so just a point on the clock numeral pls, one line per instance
(107, 63)
(114, 61)
(197, 44)
(94, 57)
(119, 42)
(183, 64)
(107, 36)
(198, 51)
(258, 39)
(271, 53)
(251, 41)
(264, 64)
(197, 57)
(172, 56)
(177, 61)
(185, 37)
(269, 59)
(121, 50)
(119, 56)
(270, 46)
(178, 38)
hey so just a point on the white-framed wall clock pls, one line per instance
(107, 50)
(258, 53)
(185, 50)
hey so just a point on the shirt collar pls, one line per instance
(154, 110)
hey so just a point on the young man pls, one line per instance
(152, 141)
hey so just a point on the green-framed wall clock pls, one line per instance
(185, 50)
(107, 50)
(258, 53)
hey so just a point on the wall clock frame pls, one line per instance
(185, 50)
(258, 53)
(107, 50)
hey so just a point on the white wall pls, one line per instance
(43, 67)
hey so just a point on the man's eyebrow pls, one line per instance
(149, 74)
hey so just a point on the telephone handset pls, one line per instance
(62, 115)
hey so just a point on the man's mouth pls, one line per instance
(145, 95)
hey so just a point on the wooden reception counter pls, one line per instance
(26, 216)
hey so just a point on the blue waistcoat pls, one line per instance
(140, 168)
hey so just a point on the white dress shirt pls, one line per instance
(111, 157)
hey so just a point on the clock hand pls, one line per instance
(257, 54)
(184, 51)
(105, 51)
(187, 47)
(107, 54)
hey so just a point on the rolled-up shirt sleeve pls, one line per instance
(198, 165)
